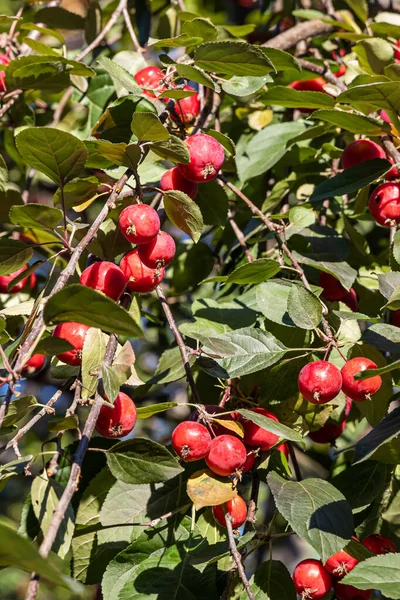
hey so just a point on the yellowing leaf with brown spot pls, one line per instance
(204, 488)
(234, 426)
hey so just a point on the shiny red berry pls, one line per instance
(236, 508)
(311, 580)
(351, 300)
(191, 440)
(117, 422)
(394, 172)
(206, 158)
(159, 252)
(284, 449)
(139, 223)
(250, 461)
(379, 544)
(397, 51)
(104, 277)
(34, 364)
(141, 279)
(384, 204)
(174, 180)
(348, 592)
(188, 108)
(309, 85)
(332, 289)
(75, 334)
(18, 287)
(395, 318)
(357, 389)
(319, 382)
(227, 453)
(340, 563)
(257, 437)
(331, 431)
(150, 78)
(360, 151)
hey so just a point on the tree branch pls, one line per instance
(240, 236)
(236, 557)
(324, 72)
(97, 41)
(302, 31)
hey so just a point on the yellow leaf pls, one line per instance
(204, 488)
(260, 119)
(234, 426)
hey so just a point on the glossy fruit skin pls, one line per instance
(139, 223)
(141, 278)
(348, 592)
(340, 564)
(311, 580)
(360, 151)
(227, 453)
(284, 449)
(379, 544)
(250, 461)
(117, 422)
(159, 252)
(356, 389)
(4, 60)
(331, 430)
(34, 364)
(319, 382)
(397, 51)
(237, 509)
(74, 333)
(332, 288)
(188, 108)
(351, 300)
(150, 77)
(257, 437)
(191, 441)
(174, 180)
(6, 279)
(104, 277)
(384, 204)
(395, 318)
(309, 85)
(206, 158)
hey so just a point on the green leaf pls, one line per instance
(57, 154)
(120, 75)
(36, 216)
(144, 412)
(376, 95)
(270, 425)
(281, 60)
(110, 382)
(285, 96)
(359, 7)
(352, 179)
(3, 176)
(51, 346)
(94, 349)
(385, 431)
(383, 336)
(386, 29)
(378, 573)
(59, 18)
(244, 85)
(170, 367)
(192, 73)
(176, 42)
(16, 551)
(244, 351)
(352, 122)
(300, 216)
(271, 581)
(46, 494)
(172, 149)
(265, 149)
(255, 272)
(140, 461)
(304, 308)
(215, 212)
(148, 127)
(362, 483)
(231, 57)
(13, 255)
(381, 371)
(78, 191)
(205, 488)
(18, 409)
(64, 423)
(200, 27)
(82, 304)
(316, 511)
(374, 54)
(184, 213)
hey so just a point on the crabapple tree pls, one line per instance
(199, 299)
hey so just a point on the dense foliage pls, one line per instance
(199, 255)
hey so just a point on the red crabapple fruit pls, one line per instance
(357, 389)
(379, 544)
(257, 437)
(18, 287)
(360, 151)
(340, 563)
(309, 85)
(236, 508)
(34, 364)
(332, 288)
(104, 277)
(348, 592)
(150, 78)
(311, 580)
(206, 158)
(117, 422)
(227, 454)
(188, 108)
(384, 204)
(141, 279)
(139, 223)
(159, 252)
(319, 382)
(191, 441)
(75, 334)
(174, 180)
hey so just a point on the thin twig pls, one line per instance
(237, 557)
(97, 41)
(240, 236)
(302, 31)
(131, 31)
(324, 72)
(294, 461)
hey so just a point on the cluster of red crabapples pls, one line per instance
(225, 453)
(313, 580)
